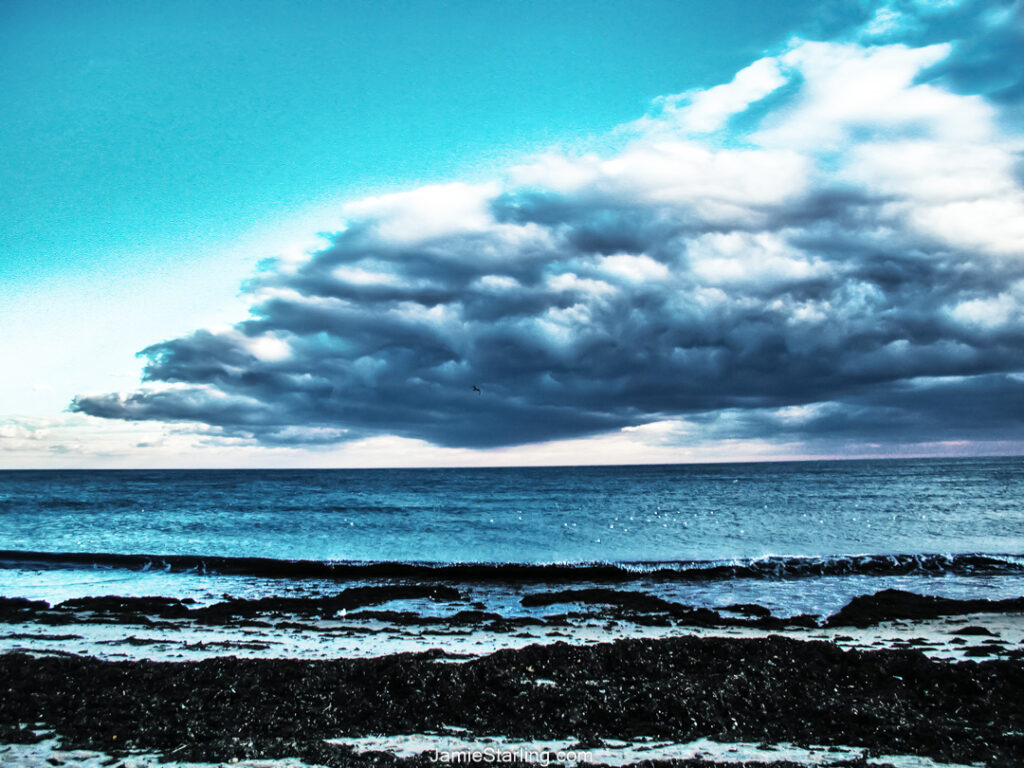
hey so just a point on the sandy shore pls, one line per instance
(892, 679)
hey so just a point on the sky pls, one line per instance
(345, 234)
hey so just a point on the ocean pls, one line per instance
(795, 537)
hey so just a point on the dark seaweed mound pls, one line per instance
(769, 689)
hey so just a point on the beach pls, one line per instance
(816, 614)
(890, 679)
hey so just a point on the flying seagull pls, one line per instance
(477, 389)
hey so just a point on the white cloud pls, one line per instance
(987, 313)
(720, 183)
(632, 268)
(849, 92)
(557, 172)
(359, 276)
(708, 110)
(886, 21)
(268, 348)
(427, 212)
(569, 281)
(995, 226)
(761, 258)
(498, 283)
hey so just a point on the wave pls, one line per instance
(777, 568)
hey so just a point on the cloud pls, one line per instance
(708, 110)
(829, 247)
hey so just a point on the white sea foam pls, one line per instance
(345, 637)
(445, 747)
(490, 749)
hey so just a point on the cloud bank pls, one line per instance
(828, 247)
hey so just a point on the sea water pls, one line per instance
(793, 535)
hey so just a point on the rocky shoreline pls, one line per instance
(886, 605)
(765, 689)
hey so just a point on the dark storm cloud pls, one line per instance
(674, 280)
(982, 408)
(562, 358)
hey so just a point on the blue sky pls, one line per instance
(158, 152)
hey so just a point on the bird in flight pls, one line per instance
(477, 389)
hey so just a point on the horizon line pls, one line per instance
(801, 460)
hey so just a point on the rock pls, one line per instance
(974, 630)
(892, 604)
